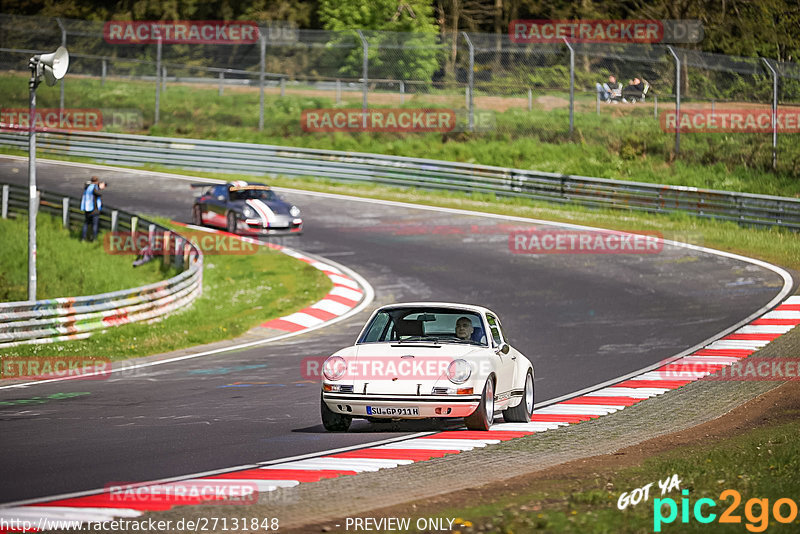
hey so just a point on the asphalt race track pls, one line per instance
(582, 319)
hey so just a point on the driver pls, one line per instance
(464, 328)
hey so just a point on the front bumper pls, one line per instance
(427, 405)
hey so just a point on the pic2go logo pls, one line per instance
(756, 511)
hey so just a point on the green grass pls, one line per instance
(239, 292)
(65, 266)
(762, 463)
(623, 142)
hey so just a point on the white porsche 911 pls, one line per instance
(421, 360)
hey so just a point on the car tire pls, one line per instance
(332, 421)
(230, 224)
(521, 413)
(483, 416)
(197, 215)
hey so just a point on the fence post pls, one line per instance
(402, 92)
(774, 113)
(114, 220)
(65, 212)
(151, 234)
(571, 86)
(221, 77)
(64, 44)
(338, 92)
(365, 77)
(103, 69)
(655, 107)
(677, 100)
(158, 84)
(283, 86)
(4, 206)
(530, 99)
(471, 83)
(261, 66)
(164, 78)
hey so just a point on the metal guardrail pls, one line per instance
(217, 156)
(60, 319)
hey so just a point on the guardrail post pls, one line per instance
(134, 224)
(158, 84)
(65, 212)
(261, 67)
(571, 86)
(165, 243)
(221, 78)
(4, 206)
(338, 92)
(178, 258)
(114, 220)
(365, 77)
(774, 114)
(471, 82)
(103, 69)
(677, 100)
(151, 234)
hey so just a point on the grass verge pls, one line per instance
(239, 292)
(65, 266)
(760, 464)
(623, 142)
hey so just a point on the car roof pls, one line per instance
(468, 307)
(241, 184)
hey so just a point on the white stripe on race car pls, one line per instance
(264, 210)
(258, 210)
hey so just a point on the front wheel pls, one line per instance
(483, 416)
(332, 421)
(521, 413)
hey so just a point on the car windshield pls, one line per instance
(250, 194)
(424, 324)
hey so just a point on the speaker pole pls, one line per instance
(33, 204)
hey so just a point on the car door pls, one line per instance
(505, 370)
(216, 206)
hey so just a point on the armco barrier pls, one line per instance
(47, 321)
(204, 155)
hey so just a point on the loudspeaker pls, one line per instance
(55, 65)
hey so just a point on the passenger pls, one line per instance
(464, 328)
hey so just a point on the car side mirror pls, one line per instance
(504, 348)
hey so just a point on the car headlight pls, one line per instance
(334, 368)
(458, 371)
(248, 212)
(294, 211)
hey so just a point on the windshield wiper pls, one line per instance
(470, 341)
(419, 338)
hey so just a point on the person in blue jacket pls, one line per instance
(91, 204)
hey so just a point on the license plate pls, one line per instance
(396, 411)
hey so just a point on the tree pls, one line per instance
(411, 54)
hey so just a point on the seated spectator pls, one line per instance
(634, 91)
(609, 91)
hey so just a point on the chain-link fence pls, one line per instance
(494, 87)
